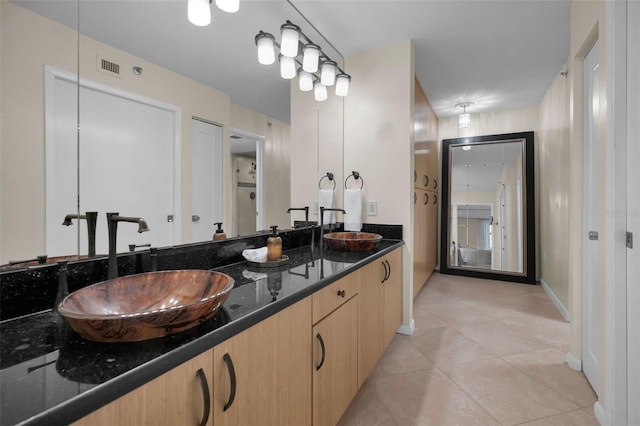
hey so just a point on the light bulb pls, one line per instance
(342, 84)
(311, 54)
(266, 52)
(328, 73)
(199, 12)
(305, 81)
(289, 40)
(287, 67)
(465, 121)
(320, 91)
(230, 6)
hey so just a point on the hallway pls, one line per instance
(483, 353)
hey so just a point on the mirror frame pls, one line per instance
(528, 276)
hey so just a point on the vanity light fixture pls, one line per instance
(199, 11)
(464, 121)
(320, 91)
(315, 70)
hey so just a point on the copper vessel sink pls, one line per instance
(145, 306)
(352, 241)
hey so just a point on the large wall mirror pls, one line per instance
(488, 207)
(166, 67)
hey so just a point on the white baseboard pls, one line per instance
(598, 411)
(558, 304)
(574, 363)
(408, 329)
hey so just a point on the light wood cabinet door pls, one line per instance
(371, 317)
(420, 239)
(262, 376)
(392, 295)
(174, 398)
(335, 364)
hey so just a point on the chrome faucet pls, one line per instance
(91, 218)
(112, 225)
(306, 220)
(322, 210)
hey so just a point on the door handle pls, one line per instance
(593, 235)
(195, 218)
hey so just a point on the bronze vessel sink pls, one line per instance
(145, 306)
(352, 241)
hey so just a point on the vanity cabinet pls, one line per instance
(300, 366)
(263, 375)
(179, 397)
(380, 314)
(335, 356)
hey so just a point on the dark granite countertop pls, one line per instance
(49, 375)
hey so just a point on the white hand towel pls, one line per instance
(325, 199)
(255, 276)
(353, 207)
(255, 255)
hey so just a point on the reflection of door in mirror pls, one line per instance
(126, 164)
(206, 179)
(246, 183)
(488, 205)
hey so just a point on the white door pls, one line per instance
(206, 179)
(128, 163)
(633, 210)
(591, 318)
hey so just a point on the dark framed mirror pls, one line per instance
(488, 207)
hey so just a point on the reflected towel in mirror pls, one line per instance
(325, 199)
(353, 207)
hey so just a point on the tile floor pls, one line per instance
(483, 353)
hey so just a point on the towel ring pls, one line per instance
(356, 176)
(329, 176)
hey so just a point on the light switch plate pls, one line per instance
(372, 208)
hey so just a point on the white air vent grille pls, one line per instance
(110, 66)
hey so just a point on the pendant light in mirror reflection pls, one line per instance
(299, 56)
(464, 120)
(199, 11)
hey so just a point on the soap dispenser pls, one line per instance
(219, 234)
(274, 245)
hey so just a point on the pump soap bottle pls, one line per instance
(219, 234)
(274, 245)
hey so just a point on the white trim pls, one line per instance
(408, 329)
(573, 362)
(598, 411)
(558, 304)
(50, 75)
(614, 408)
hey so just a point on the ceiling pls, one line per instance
(499, 54)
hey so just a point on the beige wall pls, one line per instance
(28, 43)
(490, 123)
(553, 167)
(369, 131)
(378, 140)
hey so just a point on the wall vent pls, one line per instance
(108, 67)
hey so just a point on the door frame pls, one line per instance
(260, 175)
(621, 319)
(51, 74)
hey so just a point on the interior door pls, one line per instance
(127, 163)
(591, 317)
(206, 179)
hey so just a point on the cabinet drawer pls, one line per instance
(335, 295)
